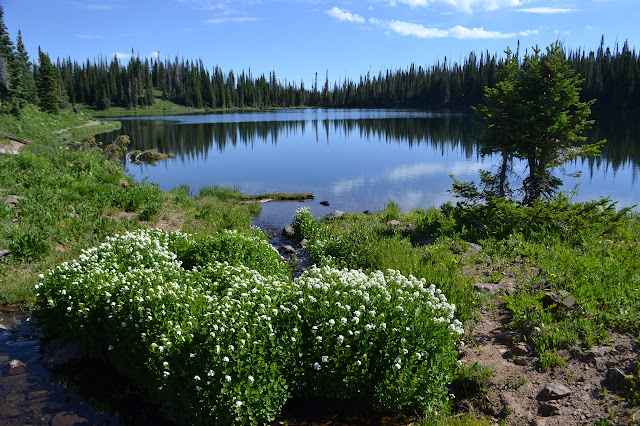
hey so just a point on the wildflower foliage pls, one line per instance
(223, 342)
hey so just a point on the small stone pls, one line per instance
(555, 391)
(335, 214)
(473, 249)
(492, 288)
(520, 349)
(37, 394)
(548, 409)
(3, 328)
(288, 249)
(394, 222)
(506, 337)
(598, 351)
(523, 360)
(617, 377)
(562, 298)
(304, 243)
(4, 253)
(288, 231)
(66, 418)
(59, 353)
(17, 367)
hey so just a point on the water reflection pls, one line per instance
(357, 159)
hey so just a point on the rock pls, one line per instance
(37, 394)
(473, 249)
(506, 337)
(288, 231)
(409, 227)
(324, 203)
(59, 353)
(304, 243)
(492, 288)
(125, 184)
(562, 298)
(13, 200)
(519, 349)
(17, 367)
(68, 418)
(288, 249)
(524, 360)
(555, 391)
(3, 328)
(4, 253)
(548, 409)
(636, 418)
(394, 222)
(617, 378)
(367, 212)
(598, 352)
(541, 286)
(335, 214)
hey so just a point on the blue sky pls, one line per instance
(297, 38)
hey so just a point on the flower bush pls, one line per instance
(222, 342)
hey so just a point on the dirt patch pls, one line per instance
(517, 393)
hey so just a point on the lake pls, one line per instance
(356, 159)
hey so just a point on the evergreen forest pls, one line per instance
(610, 75)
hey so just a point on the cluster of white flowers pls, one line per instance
(133, 293)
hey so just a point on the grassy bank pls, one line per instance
(64, 201)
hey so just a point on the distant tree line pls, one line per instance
(612, 76)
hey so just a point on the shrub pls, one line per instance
(223, 343)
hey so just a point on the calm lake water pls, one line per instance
(355, 159)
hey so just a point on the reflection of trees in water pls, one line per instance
(196, 140)
(446, 133)
(622, 131)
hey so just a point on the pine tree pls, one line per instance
(25, 68)
(47, 85)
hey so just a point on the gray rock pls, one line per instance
(519, 349)
(66, 418)
(288, 231)
(4, 253)
(598, 351)
(524, 360)
(492, 288)
(394, 222)
(562, 298)
(555, 391)
(304, 243)
(13, 200)
(636, 417)
(324, 203)
(335, 214)
(17, 367)
(473, 249)
(617, 378)
(59, 353)
(3, 328)
(548, 409)
(288, 249)
(37, 394)
(409, 227)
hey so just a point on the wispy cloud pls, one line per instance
(89, 36)
(124, 57)
(420, 31)
(236, 19)
(462, 5)
(343, 15)
(547, 10)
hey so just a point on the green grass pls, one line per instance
(71, 200)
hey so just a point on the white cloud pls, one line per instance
(462, 5)
(240, 19)
(89, 36)
(122, 56)
(420, 31)
(547, 10)
(154, 55)
(343, 15)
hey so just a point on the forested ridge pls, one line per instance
(611, 75)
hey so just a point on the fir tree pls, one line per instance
(47, 85)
